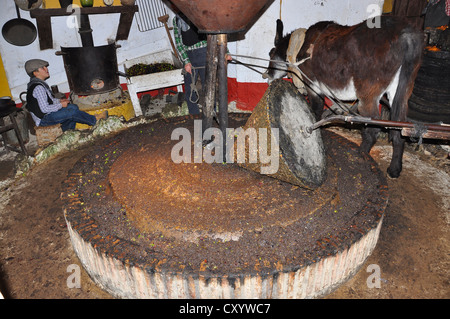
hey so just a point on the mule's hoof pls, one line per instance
(393, 174)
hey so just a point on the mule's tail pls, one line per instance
(411, 43)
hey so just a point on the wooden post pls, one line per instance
(223, 87)
(211, 80)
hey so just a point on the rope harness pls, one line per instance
(193, 87)
(301, 78)
(418, 129)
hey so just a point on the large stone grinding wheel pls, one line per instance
(302, 159)
(253, 236)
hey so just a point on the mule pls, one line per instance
(359, 63)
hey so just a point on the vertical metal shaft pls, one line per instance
(211, 80)
(223, 87)
(85, 31)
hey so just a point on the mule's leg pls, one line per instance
(369, 138)
(370, 134)
(369, 108)
(398, 145)
(316, 102)
(411, 47)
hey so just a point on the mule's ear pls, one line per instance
(279, 33)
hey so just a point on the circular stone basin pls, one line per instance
(190, 201)
(145, 227)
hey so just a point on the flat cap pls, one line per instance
(33, 65)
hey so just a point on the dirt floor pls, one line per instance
(412, 254)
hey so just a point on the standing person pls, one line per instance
(45, 108)
(192, 48)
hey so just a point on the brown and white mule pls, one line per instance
(361, 62)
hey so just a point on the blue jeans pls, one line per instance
(68, 117)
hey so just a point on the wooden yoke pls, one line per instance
(295, 44)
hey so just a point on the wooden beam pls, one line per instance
(44, 26)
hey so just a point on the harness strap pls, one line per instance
(295, 44)
(193, 86)
(311, 84)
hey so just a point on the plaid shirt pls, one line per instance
(183, 49)
(447, 6)
(41, 93)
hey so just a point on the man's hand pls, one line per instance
(188, 68)
(64, 102)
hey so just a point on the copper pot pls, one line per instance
(219, 16)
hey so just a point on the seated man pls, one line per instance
(45, 109)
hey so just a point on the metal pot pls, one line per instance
(91, 70)
(6, 102)
(19, 31)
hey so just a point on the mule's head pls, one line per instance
(277, 67)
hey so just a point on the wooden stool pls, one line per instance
(11, 111)
(47, 134)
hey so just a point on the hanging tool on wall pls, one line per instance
(281, 5)
(163, 19)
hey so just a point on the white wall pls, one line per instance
(258, 40)
(104, 28)
(295, 14)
